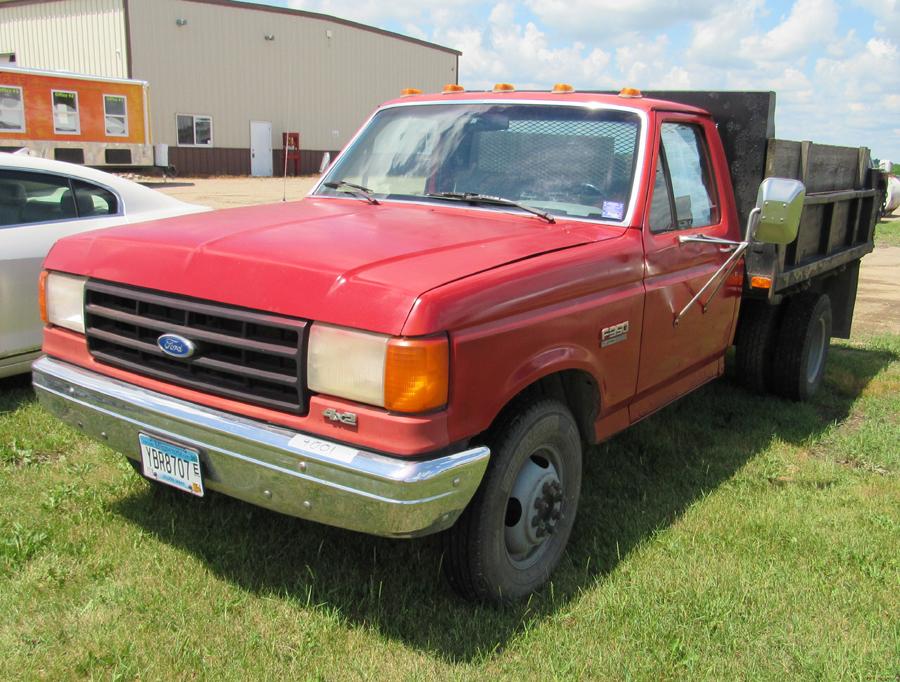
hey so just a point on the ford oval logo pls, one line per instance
(176, 346)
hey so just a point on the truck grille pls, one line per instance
(249, 356)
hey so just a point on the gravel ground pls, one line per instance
(877, 302)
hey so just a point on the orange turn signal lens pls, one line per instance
(758, 282)
(416, 374)
(504, 87)
(452, 87)
(630, 92)
(410, 91)
(42, 296)
(562, 88)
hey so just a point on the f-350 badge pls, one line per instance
(614, 334)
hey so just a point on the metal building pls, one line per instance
(228, 78)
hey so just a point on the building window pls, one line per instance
(194, 131)
(115, 108)
(65, 112)
(12, 111)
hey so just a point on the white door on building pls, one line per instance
(261, 148)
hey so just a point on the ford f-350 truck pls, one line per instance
(481, 286)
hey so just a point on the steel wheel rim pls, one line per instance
(534, 508)
(816, 351)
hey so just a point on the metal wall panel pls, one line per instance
(81, 36)
(214, 59)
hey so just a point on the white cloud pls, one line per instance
(887, 15)
(810, 23)
(606, 20)
(521, 53)
(716, 38)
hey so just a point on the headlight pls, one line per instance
(402, 375)
(62, 300)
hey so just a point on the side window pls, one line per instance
(92, 200)
(685, 164)
(34, 198)
(661, 203)
(12, 110)
(194, 131)
(115, 111)
(65, 112)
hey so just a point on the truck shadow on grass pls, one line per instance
(15, 391)
(634, 486)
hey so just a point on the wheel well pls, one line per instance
(576, 389)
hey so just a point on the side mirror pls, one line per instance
(780, 203)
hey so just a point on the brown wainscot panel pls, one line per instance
(310, 160)
(195, 161)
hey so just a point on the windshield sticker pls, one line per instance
(613, 209)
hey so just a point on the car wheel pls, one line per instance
(512, 535)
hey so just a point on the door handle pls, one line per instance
(728, 248)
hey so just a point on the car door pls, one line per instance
(36, 209)
(686, 199)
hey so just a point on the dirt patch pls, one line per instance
(231, 192)
(878, 297)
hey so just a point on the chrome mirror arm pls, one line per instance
(725, 269)
(721, 274)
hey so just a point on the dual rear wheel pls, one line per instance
(782, 349)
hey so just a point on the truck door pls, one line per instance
(685, 199)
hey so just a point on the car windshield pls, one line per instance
(567, 161)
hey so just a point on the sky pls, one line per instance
(835, 66)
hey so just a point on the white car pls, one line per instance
(40, 202)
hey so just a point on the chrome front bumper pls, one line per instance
(270, 466)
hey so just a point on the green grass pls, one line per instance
(887, 233)
(728, 537)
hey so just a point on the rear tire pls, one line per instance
(755, 344)
(514, 531)
(802, 346)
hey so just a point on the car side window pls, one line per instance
(92, 200)
(34, 198)
(27, 197)
(689, 189)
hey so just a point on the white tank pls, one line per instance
(892, 200)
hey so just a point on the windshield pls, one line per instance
(566, 160)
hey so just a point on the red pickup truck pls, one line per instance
(481, 286)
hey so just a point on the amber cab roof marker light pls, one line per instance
(562, 88)
(406, 92)
(451, 88)
(630, 92)
(504, 87)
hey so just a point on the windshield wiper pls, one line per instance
(350, 188)
(476, 198)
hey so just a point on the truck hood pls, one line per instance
(341, 261)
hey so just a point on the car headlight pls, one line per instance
(62, 300)
(401, 375)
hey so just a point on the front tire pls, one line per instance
(513, 533)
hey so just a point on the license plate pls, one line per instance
(171, 464)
